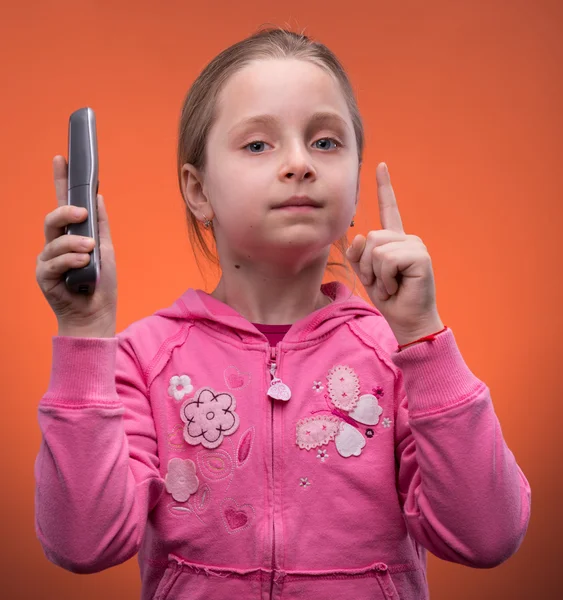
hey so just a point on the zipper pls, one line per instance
(278, 390)
(272, 361)
(273, 367)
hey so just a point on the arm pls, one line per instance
(97, 468)
(464, 497)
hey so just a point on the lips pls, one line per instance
(296, 201)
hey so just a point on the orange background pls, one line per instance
(463, 100)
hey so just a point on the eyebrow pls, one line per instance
(317, 118)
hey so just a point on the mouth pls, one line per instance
(298, 208)
(298, 203)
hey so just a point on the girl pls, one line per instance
(279, 438)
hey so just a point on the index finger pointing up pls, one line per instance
(388, 210)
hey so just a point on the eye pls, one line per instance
(254, 145)
(336, 143)
(257, 146)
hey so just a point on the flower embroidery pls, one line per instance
(378, 391)
(386, 422)
(180, 385)
(181, 480)
(322, 454)
(318, 386)
(209, 417)
(304, 482)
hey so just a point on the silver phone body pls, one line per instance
(83, 192)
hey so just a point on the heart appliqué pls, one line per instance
(236, 379)
(235, 517)
(176, 439)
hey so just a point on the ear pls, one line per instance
(193, 190)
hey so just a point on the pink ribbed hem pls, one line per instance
(83, 371)
(435, 374)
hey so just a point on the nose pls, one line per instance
(298, 164)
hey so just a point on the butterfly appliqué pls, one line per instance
(346, 408)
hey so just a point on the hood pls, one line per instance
(197, 305)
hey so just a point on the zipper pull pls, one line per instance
(277, 390)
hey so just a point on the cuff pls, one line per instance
(435, 374)
(83, 371)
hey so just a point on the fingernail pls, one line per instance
(77, 212)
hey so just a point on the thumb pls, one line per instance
(356, 249)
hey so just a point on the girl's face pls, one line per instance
(283, 128)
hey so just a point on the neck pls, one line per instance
(272, 297)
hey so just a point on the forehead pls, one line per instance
(286, 88)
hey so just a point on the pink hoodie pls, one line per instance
(164, 441)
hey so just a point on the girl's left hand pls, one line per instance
(396, 270)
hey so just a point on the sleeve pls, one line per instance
(96, 471)
(464, 497)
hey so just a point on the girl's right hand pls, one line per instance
(77, 314)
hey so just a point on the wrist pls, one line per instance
(87, 331)
(414, 336)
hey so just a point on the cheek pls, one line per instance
(345, 186)
(219, 185)
(235, 188)
(343, 173)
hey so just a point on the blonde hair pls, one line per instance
(198, 111)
